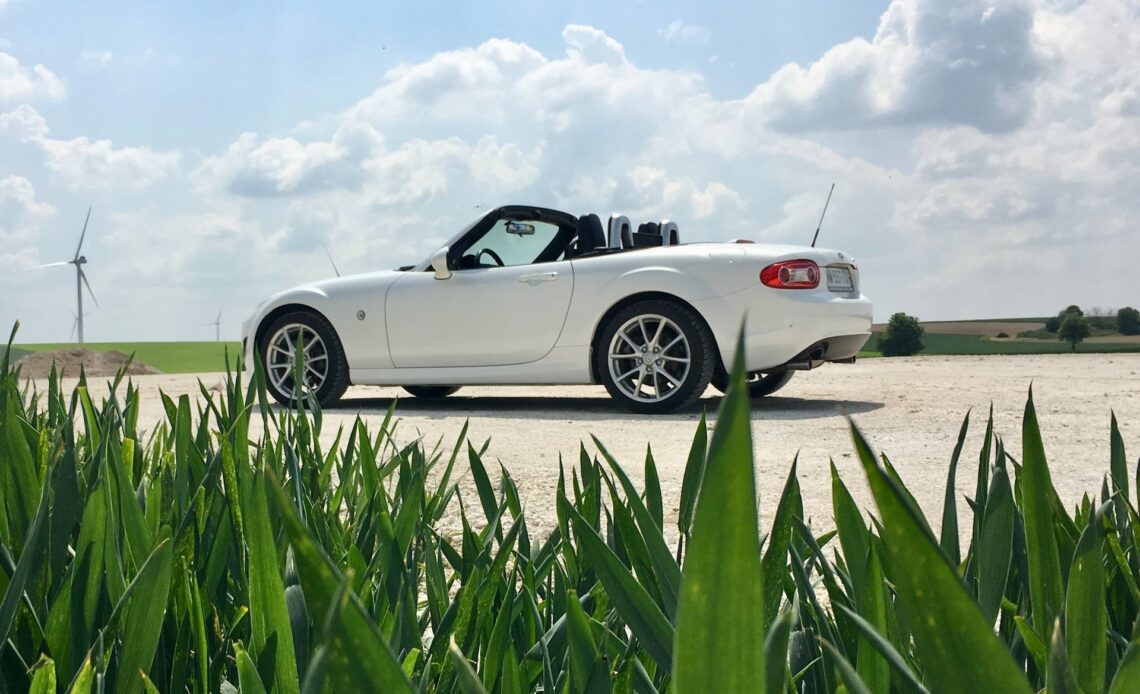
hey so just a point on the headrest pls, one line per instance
(591, 236)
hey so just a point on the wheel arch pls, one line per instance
(595, 377)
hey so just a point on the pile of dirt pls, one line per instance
(69, 361)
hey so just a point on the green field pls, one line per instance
(942, 344)
(167, 357)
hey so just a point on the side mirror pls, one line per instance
(439, 264)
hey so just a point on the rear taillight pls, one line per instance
(791, 274)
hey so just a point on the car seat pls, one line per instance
(648, 234)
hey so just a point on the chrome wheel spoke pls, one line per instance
(629, 373)
(632, 345)
(677, 340)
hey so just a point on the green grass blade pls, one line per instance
(584, 655)
(879, 642)
(1037, 503)
(142, 621)
(29, 561)
(664, 566)
(365, 661)
(653, 489)
(949, 540)
(1086, 618)
(1127, 677)
(466, 679)
(1118, 467)
(248, 679)
(271, 633)
(958, 649)
(776, 653)
(694, 473)
(1060, 679)
(851, 680)
(720, 616)
(632, 602)
(43, 677)
(995, 545)
(775, 561)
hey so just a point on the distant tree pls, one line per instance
(1074, 328)
(1054, 323)
(1128, 321)
(903, 338)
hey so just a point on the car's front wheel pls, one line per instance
(655, 357)
(759, 384)
(431, 392)
(303, 357)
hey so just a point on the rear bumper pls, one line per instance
(786, 327)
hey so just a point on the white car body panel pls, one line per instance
(484, 317)
(519, 325)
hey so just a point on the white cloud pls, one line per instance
(20, 83)
(679, 32)
(96, 59)
(285, 166)
(930, 62)
(84, 163)
(590, 45)
(21, 215)
(25, 122)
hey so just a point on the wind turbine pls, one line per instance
(80, 277)
(217, 323)
(74, 324)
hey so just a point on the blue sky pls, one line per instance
(985, 154)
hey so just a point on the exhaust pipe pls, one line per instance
(814, 360)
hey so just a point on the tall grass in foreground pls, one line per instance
(192, 558)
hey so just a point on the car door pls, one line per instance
(482, 316)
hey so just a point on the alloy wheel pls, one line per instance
(284, 346)
(649, 358)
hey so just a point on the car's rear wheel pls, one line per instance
(308, 338)
(431, 392)
(655, 357)
(759, 384)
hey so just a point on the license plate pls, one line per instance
(839, 279)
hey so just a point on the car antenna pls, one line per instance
(331, 261)
(814, 238)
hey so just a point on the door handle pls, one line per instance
(538, 277)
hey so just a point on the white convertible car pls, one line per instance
(527, 295)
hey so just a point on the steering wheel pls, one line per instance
(494, 256)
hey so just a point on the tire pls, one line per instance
(322, 347)
(759, 384)
(431, 392)
(629, 373)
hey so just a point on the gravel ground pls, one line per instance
(909, 408)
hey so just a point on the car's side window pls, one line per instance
(510, 242)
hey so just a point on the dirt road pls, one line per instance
(910, 409)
